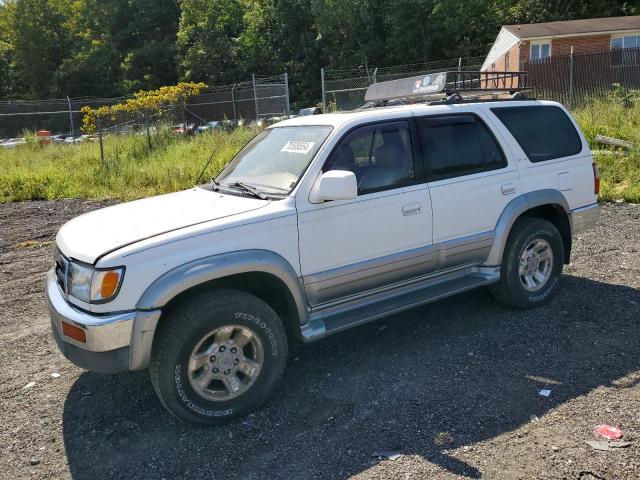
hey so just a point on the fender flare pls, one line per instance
(194, 273)
(517, 207)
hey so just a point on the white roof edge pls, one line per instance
(504, 42)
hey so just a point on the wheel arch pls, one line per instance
(548, 204)
(262, 273)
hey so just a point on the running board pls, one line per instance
(334, 319)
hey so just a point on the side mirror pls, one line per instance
(334, 185)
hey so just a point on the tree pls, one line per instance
(207, 40)
(40, 44)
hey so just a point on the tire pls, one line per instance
(193, 362)
(530, 235)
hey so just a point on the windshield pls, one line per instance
(276, 158)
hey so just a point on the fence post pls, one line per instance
(375, 74)
(324, 100)
(100, 140)
(571, 78)
(255, 95)
(286, 93)
(233, 103)
(72, 131)
(184, 117)
(146, 125)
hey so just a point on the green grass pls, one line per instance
(131, 170)
(619, 170)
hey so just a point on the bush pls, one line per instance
(619, 169)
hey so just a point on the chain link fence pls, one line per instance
(345, 89)
(261, 99)
(575, 79)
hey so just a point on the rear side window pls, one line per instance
(543, 132)
(458, 145)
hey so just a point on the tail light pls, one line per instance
(596, 179)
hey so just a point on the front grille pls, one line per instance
(62, 270)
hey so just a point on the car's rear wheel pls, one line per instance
(531, 264)
(217, 356)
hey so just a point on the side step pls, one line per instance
(340, 317)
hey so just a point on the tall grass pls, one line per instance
(619, 169)
(131, 170)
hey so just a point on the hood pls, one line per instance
(94, 234)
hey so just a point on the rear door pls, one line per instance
(471, 181)
(551, 152)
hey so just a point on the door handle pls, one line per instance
(411, 209)
(508, 188)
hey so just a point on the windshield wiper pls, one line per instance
(248, 188)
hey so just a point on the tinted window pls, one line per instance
(458, 145)
(380, 156)
(543, 132)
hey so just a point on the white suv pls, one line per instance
(319, 224)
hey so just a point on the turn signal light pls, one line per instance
(74, 332)
(110, 282)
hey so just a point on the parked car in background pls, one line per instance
(180, 129)
(13, 142)
(61, 138)
(309, 111)
(208, 127)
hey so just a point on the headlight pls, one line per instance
(94, 286)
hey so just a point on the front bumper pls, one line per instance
(585, 218)
(114, 343)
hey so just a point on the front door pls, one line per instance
(384, 235)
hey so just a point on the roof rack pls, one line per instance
(450, 87)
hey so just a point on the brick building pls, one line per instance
(518, 46)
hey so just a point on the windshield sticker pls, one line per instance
(298, 146)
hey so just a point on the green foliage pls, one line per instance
(131, 170)
(54, 48)
(620, 170)
(142, 103)
(207, 39)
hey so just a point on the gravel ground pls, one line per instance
(452, 386)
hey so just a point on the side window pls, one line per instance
(380, 156)
(543, 132)
(458, 145)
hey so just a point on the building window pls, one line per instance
(507, 66)
(540, 51)
(625, 49)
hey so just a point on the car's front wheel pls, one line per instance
(218, 356)
(531, 264)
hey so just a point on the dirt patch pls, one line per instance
(452, 386)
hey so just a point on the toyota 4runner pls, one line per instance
(319, 224)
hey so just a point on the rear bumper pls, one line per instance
(585, 218)
(114, 343)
